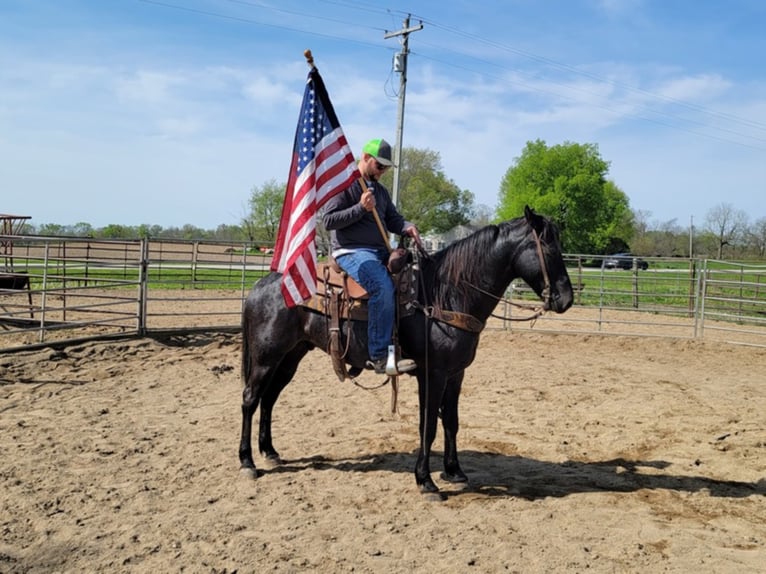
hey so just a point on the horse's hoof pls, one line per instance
(434, 497)
(271, 462)
(430, 491)
(458, 478)
(248, 472)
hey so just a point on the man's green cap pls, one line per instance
(380, 149)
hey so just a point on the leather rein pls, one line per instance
(538, 309)
(470, 323)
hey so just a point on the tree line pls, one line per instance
(568, 182)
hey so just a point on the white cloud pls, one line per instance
(700, 88)
(148, 86)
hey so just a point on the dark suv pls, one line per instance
(623, 261)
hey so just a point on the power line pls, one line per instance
(255, 22)
(255, 4)
(574, 70)
(605, 107)
(376, 9)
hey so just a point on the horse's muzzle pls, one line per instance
(558, 303)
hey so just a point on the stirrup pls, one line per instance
(396, 367)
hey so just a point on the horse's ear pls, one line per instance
(535, 221)
(532, 218)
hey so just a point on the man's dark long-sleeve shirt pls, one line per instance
(352, 226)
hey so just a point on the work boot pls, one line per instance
(377, 365)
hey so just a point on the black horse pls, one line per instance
(468, 277)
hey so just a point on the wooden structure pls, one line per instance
(9, 225)
(11, 281)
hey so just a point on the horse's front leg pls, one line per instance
(430, 393)
(452, 470)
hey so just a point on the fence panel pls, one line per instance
(734, 302)
(76, 288)
(671, 298)
(69, 289)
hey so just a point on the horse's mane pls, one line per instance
(458, 273)
(463, 263)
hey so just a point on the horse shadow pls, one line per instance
(499, 475)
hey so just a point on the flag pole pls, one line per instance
(310, 61)
(377, 217)
(309, 58)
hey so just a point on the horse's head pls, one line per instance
(541, 263)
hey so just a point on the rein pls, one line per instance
(537, 310)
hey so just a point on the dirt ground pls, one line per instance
(585, 453)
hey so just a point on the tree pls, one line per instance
(51, 229)
(116, 231)
(641, 243)
(482, 215)
(189, 231)
(82, 229)
(262, 223)
(428, 198)
(568, 183)
(726, 224)
(668, 239)
(757, 236)
(225, 232)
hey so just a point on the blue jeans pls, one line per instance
(367, 268)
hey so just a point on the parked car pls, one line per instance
(623, 261)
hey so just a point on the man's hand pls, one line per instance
(412, 231)
(368, 200)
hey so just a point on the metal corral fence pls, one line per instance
(63, 290)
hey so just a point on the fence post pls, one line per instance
(87, 263)
(143, 287)
(64, 277)
(692, 286)
(741, 290)
(44, 296)
(701, 294)
(195, 254)
(244, 275)
(635, 283)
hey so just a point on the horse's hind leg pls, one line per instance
(262, 386)
(279, 380)
(452, 471)
(256, 378)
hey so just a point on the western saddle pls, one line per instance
(340, 297)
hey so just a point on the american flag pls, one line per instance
(322, 166)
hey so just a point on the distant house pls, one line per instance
(436, 241)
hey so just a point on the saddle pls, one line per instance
(340, 297)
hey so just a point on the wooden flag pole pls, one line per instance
(309, 58)
(377, 217)
(310, 61)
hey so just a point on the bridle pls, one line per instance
(537, 309)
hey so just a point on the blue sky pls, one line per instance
(169, 112)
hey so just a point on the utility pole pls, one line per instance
(400, 65)
(691, 237)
